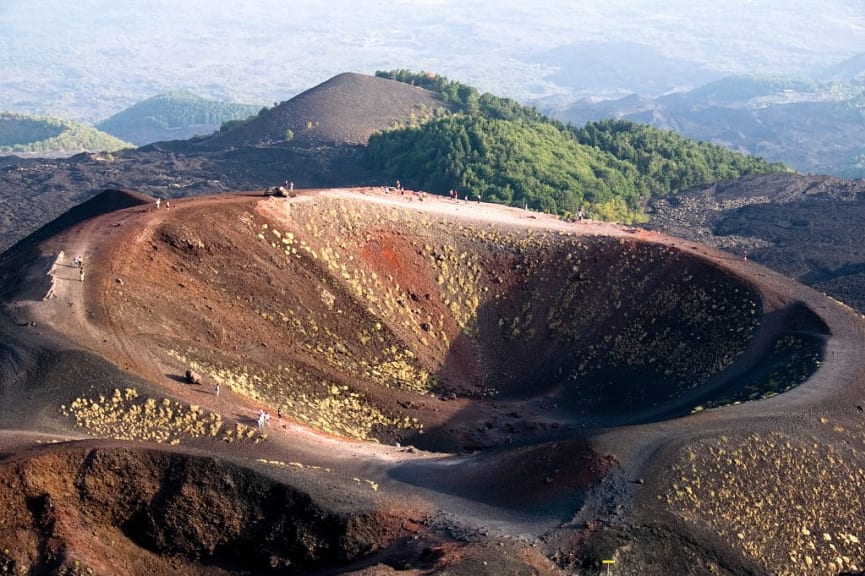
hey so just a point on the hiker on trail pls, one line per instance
(581, 214)
(51, 293)
(216, 390)
(158, 200)
(81, 273)
(279, 412)
(167, 204)
(75, 261)
(260, 419)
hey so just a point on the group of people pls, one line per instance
(78, 262)
(264, 417)
(456, 196)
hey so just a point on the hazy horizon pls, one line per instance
(92, 58)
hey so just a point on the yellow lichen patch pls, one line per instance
(294, 464)
(126, 416)
(345, 413)
(331, 408)
(238, 381)
(401, 373)
(791, 503)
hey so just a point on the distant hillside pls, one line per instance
(28, 135)
(852, 68)
(346, 109)
(753, 90)
(174, 116)
(619, 67)
(813, 127)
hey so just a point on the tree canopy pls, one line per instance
(506, 152)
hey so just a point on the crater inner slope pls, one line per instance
(366, 319)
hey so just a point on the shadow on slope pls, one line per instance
(531, 481)
(589, 332)
(578, 341)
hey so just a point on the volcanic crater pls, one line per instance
(468, 350)
(364, 320)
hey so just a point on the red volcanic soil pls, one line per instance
(463, 388)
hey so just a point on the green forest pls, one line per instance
(31, 135)
(502, 151)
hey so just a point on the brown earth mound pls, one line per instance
(116, 510)
(490, 376)
(347, 109)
